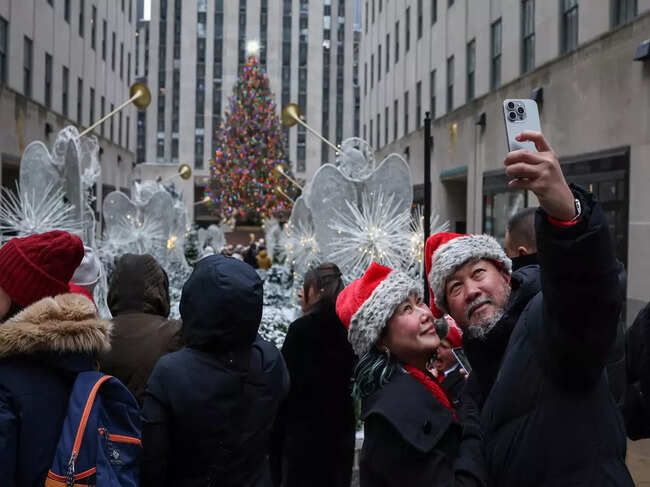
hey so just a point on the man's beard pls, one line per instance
(481, 330)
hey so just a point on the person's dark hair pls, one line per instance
(326, 281)
(521, 227)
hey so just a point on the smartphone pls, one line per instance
(520, 115)
(459, 353)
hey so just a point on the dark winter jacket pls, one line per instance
(42, 349)
(547, 413)
(453, 384)
(412, 440)
(317, 424)
(138, 298)
(636, 408)
(209, 407)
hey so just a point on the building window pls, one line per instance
(119, 128)
(160, 148)
(27, 67)
(199, 111)
(371, 132)
(286, 58)
(527, 35)
(450, 83)
(140, 133)
(122, 5)
(112, 131)
(434, 11)
(177, 26)
(48, 80)
(217, 71)
(102, 112)
(406, 113)
(327, 43)
(91, 106)
(373, 11)
(80, 91)
(93, 28)
(65, 88)
(242, 32)
(372, 70)
(407, 33)
(379, 63)
(128, 69)
(432, 93)
(471, 69)
(378, 130)
(128, 125)
(82, 17)
(66, 11)
(340, 55)
(418, 104)
(569, 27)
(365, 135)
(121, 60)
(130, 18)
(396, 42)
(450, 3)
(395, 118)
(303, 22)
(113, 53)
(4, 51)
(386, 125)
(387, 53)
(623, 11)
(495, 53)
(103, 40)
(264, 24)
(419, 19)
(380, 6)
(365, 79)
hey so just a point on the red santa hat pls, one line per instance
(366, 305)
(454, 335)
(444, 253)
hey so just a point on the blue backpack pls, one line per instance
(100, 442)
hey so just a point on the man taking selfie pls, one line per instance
(538, 338)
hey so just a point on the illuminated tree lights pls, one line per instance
(249, 146)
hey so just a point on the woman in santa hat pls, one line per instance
(413, 434)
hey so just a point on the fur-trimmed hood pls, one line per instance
(64, 324)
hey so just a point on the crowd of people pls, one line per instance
(556, 382)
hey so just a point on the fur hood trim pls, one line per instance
(67, 323)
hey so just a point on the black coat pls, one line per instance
(412, 440)
(547, 413)
(317, 426)
(636, 408)
(42, 349)
(209, 408)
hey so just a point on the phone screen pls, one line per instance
(459, 353)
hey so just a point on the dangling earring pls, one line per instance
(430, 363)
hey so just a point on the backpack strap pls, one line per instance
(84, 393)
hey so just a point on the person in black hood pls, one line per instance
(209, 408)
(520, 243)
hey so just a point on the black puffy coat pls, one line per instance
(636, 408)
(209, 408)
(317, 425)
(42, 349)
(412, 440)
(453, 384)
(547, 415)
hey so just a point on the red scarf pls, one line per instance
(432, 385)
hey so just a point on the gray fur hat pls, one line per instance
(452, 254)
(366, 305)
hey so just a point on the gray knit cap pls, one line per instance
(453, 254)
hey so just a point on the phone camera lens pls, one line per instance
(512, 116)
(511, 105)
(520, 110)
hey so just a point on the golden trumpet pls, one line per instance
(279, 169)
(279, 190)
(291, 116)
(140, 96)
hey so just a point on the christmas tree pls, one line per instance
(243, 176)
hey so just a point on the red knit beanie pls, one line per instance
(38, 266)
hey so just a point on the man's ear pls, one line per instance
(521, 251)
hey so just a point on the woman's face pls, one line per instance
(5, 303)
(411, 335)
(307, 298)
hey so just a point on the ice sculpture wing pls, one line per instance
(37, 171)
(120, 216)
(330, 190)
(393, 177)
